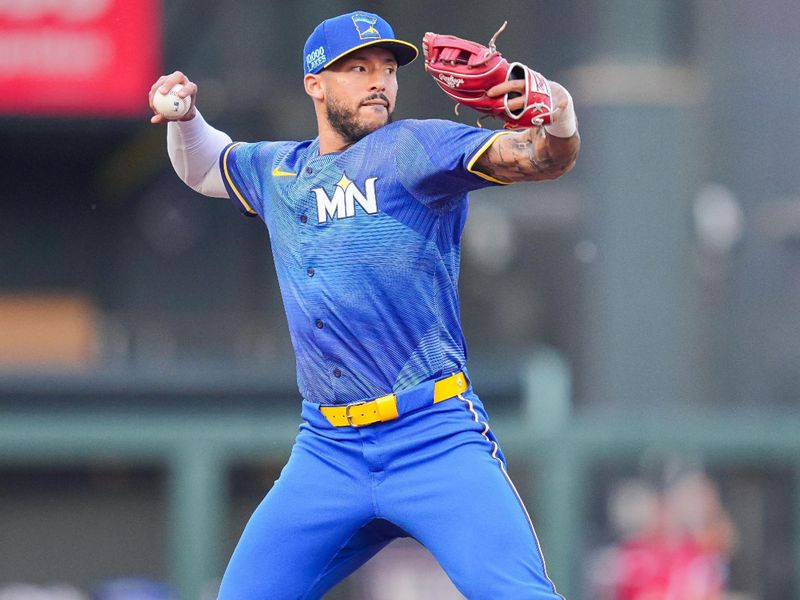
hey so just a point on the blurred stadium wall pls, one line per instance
(633, 322)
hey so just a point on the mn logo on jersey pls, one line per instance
(345, 197)
(366, 26)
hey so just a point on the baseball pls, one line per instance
(170, 105)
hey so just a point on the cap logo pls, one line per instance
(315, 58)
(365, 24)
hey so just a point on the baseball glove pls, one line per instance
(466, 70)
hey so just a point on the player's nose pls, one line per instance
(378, 81)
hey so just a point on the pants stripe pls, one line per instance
(495, 449)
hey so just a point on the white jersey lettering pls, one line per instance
(344, 200)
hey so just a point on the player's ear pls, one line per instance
(314, 87)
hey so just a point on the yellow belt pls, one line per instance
(385, 407)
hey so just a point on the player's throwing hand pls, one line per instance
(164, 84)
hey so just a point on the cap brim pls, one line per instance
(404, 52)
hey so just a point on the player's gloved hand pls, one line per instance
(562, 118)
(164, 84)
(467, 72)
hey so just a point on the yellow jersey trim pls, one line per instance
(276, 172)
(236, 191)
(372, 43)
(480, 152)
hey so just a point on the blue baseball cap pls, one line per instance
(337, 37)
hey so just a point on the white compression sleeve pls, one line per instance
(194, 147)
(566, 123)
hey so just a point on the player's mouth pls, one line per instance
(377, 103)
(377, 100)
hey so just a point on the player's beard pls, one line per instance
(347, 123)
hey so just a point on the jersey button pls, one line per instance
(310, 271)
(304, 218)
(319, 324)
(309, 170)
(337, 372)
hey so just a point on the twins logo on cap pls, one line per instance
(365, 24)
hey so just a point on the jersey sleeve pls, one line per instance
(435, 159)
(242, 166)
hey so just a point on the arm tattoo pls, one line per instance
(526, 159)
(527, 156)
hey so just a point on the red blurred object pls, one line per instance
(79, 58)
(659, 569)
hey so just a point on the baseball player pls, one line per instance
(365, 223)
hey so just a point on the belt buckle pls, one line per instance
(347, 414)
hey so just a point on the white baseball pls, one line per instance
(170, 105)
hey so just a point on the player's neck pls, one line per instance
(330, 140)
(332, 146)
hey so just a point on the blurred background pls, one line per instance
(634, 327)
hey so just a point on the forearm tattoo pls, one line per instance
(525, 156)
(529, 156)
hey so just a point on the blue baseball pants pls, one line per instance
(435, 474)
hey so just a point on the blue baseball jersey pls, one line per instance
(366, 244)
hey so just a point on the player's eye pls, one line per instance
(391, 70)
(359, 68)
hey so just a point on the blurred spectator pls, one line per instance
(675, 544)
(133, 589)
(21, 591)
(404, 570)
